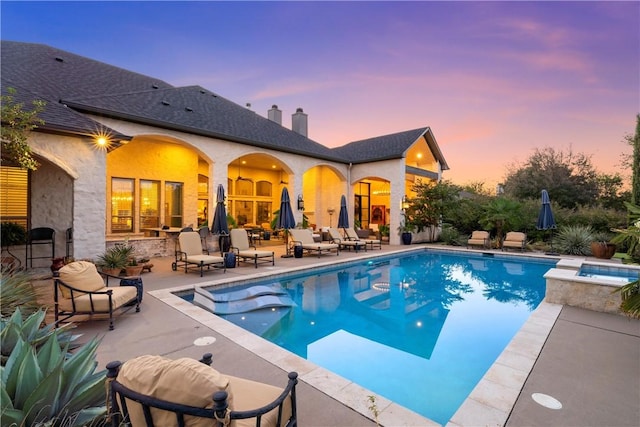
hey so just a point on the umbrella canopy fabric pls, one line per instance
(545, 217)
(219, 225)
(285, 216)
(343, 216)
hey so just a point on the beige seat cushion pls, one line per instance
(250, 253)
(81, 275)
(249, 394)
(514, 239)
(184, 381)
(120, 296)
(204, 259)
(480, 238)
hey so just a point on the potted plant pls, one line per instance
(113, 260)
(384, 232)
(133, 268)
(601, 247)
(405, 229)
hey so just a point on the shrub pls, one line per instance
(450, 236)
(574, 240)
(12, 233)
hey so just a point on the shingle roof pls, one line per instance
(385, 147)
(196, 110)
(72, 85)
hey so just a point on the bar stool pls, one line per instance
(40, 236)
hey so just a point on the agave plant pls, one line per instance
(16, 290)
(48, 385)
(574, 240)
(31, 330)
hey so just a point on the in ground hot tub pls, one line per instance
(587, 284)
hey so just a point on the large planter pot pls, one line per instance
(406, 238)
(603, 250)
(133, 270)
(111, 271)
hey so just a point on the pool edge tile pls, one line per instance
(477, 408)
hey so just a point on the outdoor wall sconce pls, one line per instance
(405, 203)
(300, 203)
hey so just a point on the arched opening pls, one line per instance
(254, 185)
(151, 183)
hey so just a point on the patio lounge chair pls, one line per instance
(304, 238)
(479, 238)
(514, 240)
(352, 235)
(336, 237)
(153, 390)
(191, 253)
(243, 250)
(80, 289)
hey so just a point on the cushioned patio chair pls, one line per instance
(336, 237)
(80, 289)
(246, 252)
(156, 391)
(514, 240)
(303, 237)
(192, 254)
(479, 238)
(352, 235)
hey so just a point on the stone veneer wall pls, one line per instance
(566, 286)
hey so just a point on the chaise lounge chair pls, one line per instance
(80, 289)
(156, 391)
(240, 245)
(353, 236)
(479, 238)
(514, 240)
(336, 237)
(304, 239)
(191, 253)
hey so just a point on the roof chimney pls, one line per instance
(275, 115)
(299, 122)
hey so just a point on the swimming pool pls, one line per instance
(420, 330)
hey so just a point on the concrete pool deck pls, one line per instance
(588, 361)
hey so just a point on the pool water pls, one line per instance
(420, 330)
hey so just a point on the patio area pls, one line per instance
(585, 359)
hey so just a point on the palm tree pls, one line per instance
(502, 214)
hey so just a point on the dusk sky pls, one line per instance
(493, 80)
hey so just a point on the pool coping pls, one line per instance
(490, 402)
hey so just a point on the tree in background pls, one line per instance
(16, 125)
(635, 166)
(610, 191)
(570, 179)
(432, 202)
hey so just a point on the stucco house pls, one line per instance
(122, 152)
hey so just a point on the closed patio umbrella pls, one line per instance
(285, 218)
(343, 216)
(545, 217)
(219, 225)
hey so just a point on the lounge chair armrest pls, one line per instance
(59, 282)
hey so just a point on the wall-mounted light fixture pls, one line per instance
(405, 203)
(300, 203)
